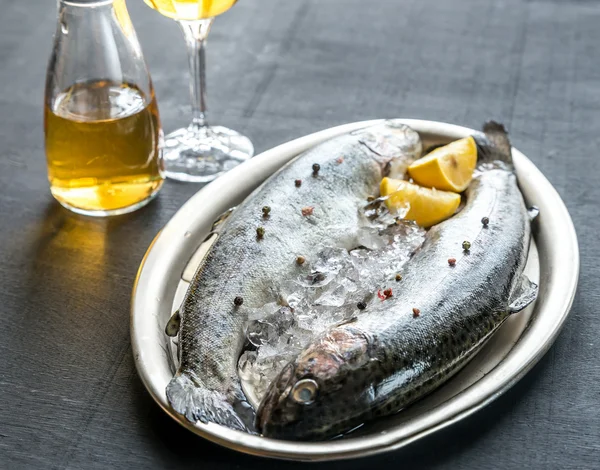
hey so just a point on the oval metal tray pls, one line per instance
(174, 254)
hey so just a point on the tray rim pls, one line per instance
(556, 239)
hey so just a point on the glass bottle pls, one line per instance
(102, 130)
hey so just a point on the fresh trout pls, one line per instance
(313, 199)
(439, 316)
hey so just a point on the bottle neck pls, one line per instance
(95, 40)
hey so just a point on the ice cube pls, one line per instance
(263, 311)
(260, 332)
(334, 296)
(246, 366)
(331, 260)
(370, 238)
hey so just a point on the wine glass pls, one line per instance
(200, 152)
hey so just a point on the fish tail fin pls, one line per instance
(493, 144)
(200, 404)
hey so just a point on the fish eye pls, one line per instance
(305, 391)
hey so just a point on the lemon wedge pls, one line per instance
(449, 168)
(426, 206)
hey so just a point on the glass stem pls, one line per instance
(195, 34)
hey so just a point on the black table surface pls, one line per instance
(70, 395)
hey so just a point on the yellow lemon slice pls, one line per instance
(426, 206)
(449, 167)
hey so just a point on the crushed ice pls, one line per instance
(331, 283)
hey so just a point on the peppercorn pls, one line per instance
(316, 167)
(485, 221)
(260, 232)
(466, 245)
(300, 260)
(238, 301)
(306, 211)
(298, 183)
(266, 210)
(452, 261)
(361, 305)
(416, 312)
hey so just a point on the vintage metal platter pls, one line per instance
(173, 256)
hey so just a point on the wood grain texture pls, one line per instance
(71, 398)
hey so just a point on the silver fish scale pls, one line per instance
(409, 355)
(458, 306)
(211, 335)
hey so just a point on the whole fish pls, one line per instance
(437, 318)
(313, 199)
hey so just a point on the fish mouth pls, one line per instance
(277, 391)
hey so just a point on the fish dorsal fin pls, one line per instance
(524, 293)
(172, 328)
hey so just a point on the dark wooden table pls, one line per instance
(70, 394)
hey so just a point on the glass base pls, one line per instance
(202, 154)
(108, 212)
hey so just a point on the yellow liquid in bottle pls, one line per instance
(190, 10)
(102, 147)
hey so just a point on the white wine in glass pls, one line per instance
(190, 10)
(199, 152)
